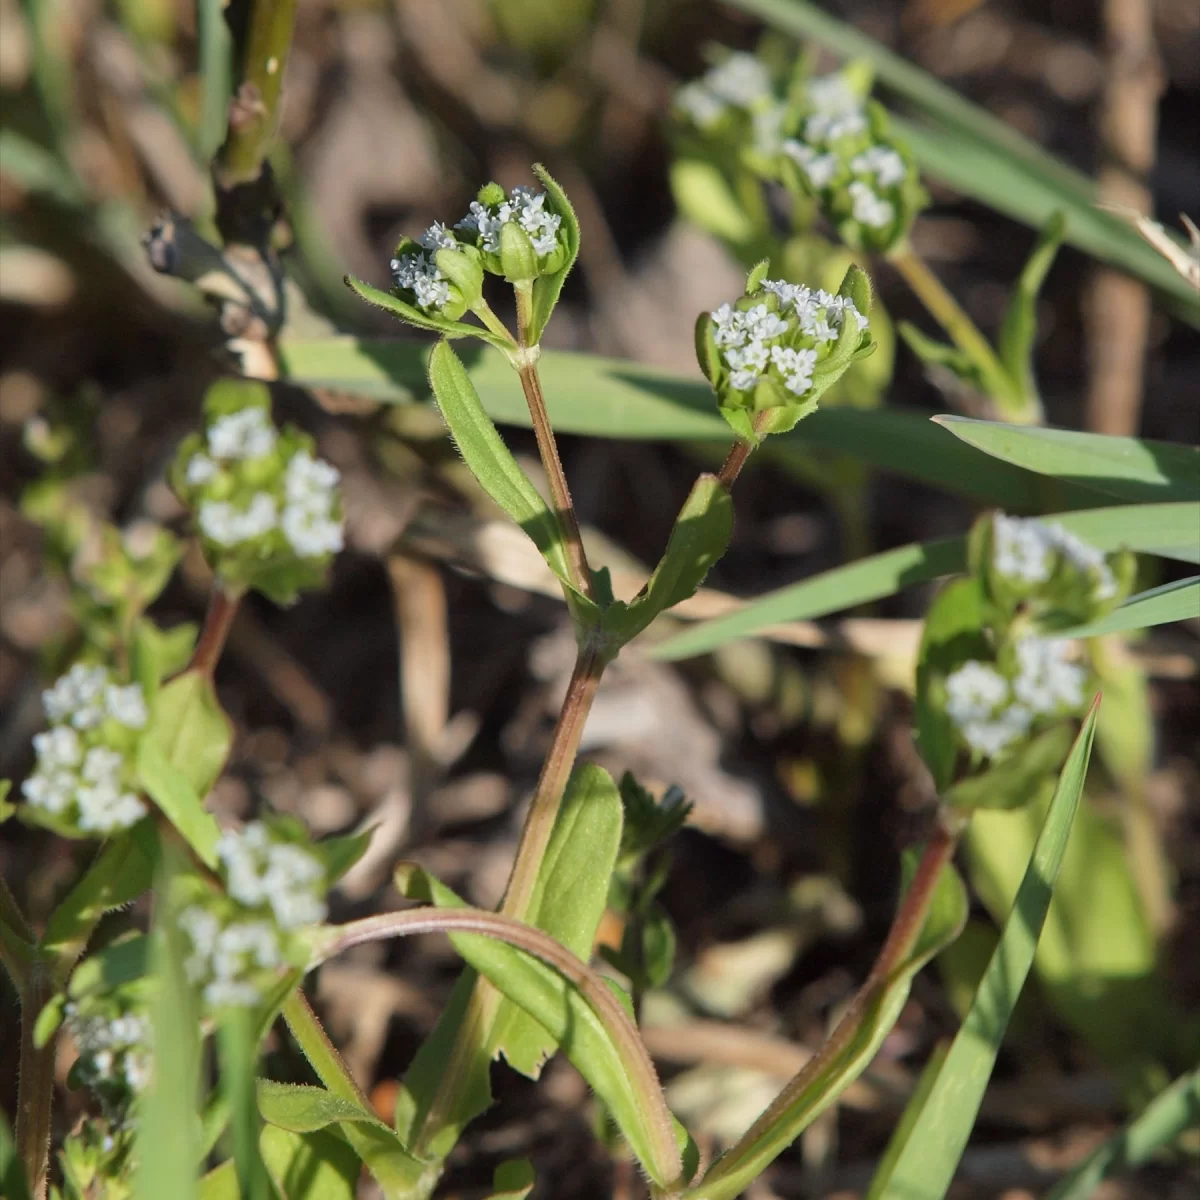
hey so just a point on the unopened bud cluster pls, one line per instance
(274, 887)
(84, 780)
(517, 235)
(262, 500)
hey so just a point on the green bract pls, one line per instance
(268, 512)
(771, 354)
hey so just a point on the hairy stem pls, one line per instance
(35, 1085)
(218, 620)
(560, 494)
(959, 327)
(254, 111)
(739, 452)
(321, 1053)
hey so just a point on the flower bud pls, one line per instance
(517, 258)
(535, 243)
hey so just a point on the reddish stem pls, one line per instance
(222, 609)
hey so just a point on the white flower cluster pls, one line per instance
(749, 340)
(305, 510)
(111, 1049)
(740, 81)
(991, 712)
(260, 870)
(1026, 551)
(79, 774)
(839, 113)
(524, 206)
(419, 274)
(225, 958)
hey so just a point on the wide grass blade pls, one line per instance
(602, 397)
(983, 157)
(1169, 530)
(1128, 468)
(1179, 601)
(1169, 1114)
(924, 1167)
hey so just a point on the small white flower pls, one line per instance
(127, 704)
(973, 692)
(226, 525)
(102, 765)
(438, 237)
(741, 79)
(1021, 549)
(77, 697)
(245, 434)
(104, 808)
(308, 522)
(823, 128)
(705, 109)
(200, 470)
(820, 168)
(57, 748)
(1085, 558)
(796, 366)
(869, 208)
(883, 163)
(280, 874)
(52, 791)
(1047, 682)
(419, 274)
(832, 93)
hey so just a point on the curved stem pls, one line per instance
(218, 620)
(637, 1063)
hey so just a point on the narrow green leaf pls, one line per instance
(192, 731)
(491, 461)
(121, 872)
(1168, 530)
(412, 315)
(173, 792)
(168, 1143)
(607, 398)
(698, 539)
(1018, 332)
(339, 854)
(548, 288)
(313, 1166)
(302, 1108)
(925, 1166)
(1178, 601)
(1172, 1112)
(569, 898)
(813, 1092)
(1127, 468)
(238, 1045)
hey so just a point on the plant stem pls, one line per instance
(739, 452)
(560, 494)
(961, 330)
(35, 1086)
(218, 620)
(311, 1037)
(254, 111)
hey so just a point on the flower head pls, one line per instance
(524, 209)
(1031, 556)
(265, 871)
(229, 958)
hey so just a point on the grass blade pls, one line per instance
(1128, 468)
(239, 1055)
(1179, 601)
(924, 1168)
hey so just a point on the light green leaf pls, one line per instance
(982, 156)
(191, 729)
(492, 463)
(1017, 779)
(569, 898)
(547, 288)
(220, 1183)
(412, 315)
(119, 962)
(1127, 468)
(339, 854)
(925, 1165)
(698, 539)
(1172, 1112)
(1018, 333)
(13, 1181)
(173, 792)
(607, 398)
(705, 198)
(313, 1166)
(1178, 601)
(238, 1048)
(1168, 530)
(513, 1180)
(301, 1108)
(843, 1059)
(168, 1132)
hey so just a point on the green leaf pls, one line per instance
(119, 962)
(569, 898)
(412, 315)
(220, 1183)
(192, 731)
(1018, 332)
(571, 1019)
(925, 1165)
(314, 1166)
(339, 854)
(698, 539)
(1017, 779)
(1172, 1112)
(1178, 601)
(607, 398)
(120, 873)
(947, 357)
(168, 1143)
(13, 1181)
(547, 288)
(842, 1060)
(174, 794)
(1127, 468)
(492, 463)
(302, 1108)
(238, 1045)
(513, 1180)
(982, 156)
(1168, 530)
